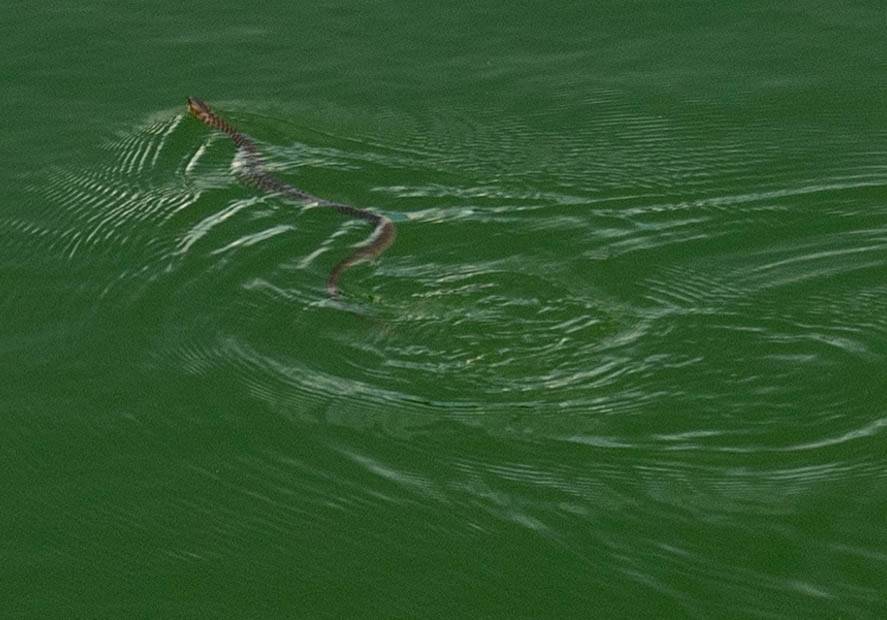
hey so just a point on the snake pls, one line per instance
(256, 173)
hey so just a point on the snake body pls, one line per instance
(257, 174)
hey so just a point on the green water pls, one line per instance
(626, 358)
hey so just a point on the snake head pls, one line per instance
(197, 107)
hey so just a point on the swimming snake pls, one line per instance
(256, 173)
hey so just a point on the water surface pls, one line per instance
(625, 359)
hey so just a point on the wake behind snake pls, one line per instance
(256, 173)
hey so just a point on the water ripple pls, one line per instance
(538, 286)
